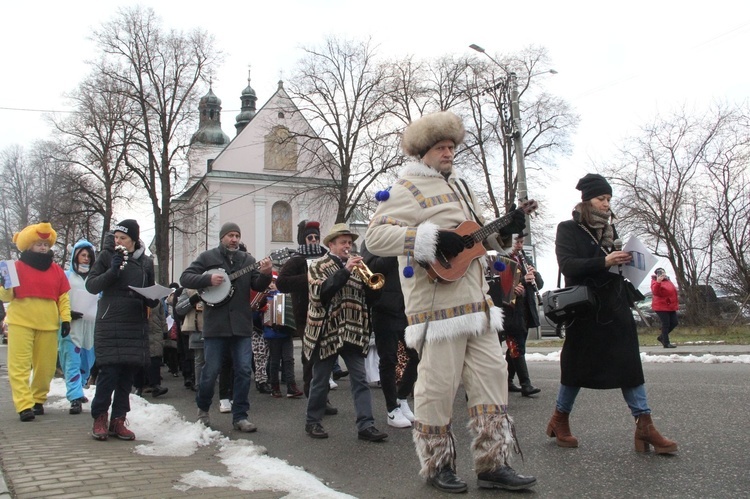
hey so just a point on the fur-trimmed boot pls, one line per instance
(494, 438)
(646, 434)
(436, 450)
(559, 428)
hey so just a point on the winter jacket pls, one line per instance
(122, 314)
(406, 225)
(600, 350)
(233, 318)
(664, 296)
(388, 311)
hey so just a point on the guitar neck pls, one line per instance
(241, 272)
(492, 227)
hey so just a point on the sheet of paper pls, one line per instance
(155, 292)
(641, 264)
(8, 271)
(84, 302)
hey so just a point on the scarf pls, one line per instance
(39, 261)
(599, 224)
(311, 250)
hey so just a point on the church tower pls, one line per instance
(247, 110)
(210, 139)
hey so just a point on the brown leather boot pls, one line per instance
(646, 434)
(559, 428)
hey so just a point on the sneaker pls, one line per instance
(506, 478)
(244, 425)
(38, 409)
(158, 391)
(276, 393)
(403, 404)
(397, 419)
(316, 430)
(332, 385)
(293, 392)
(225, 406)
(372, 434)
(27, 415)
(337, 375)
(203, 418)
(75, 407)
(118, 428)
(100, 431)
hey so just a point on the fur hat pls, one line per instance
(339, 230)
(593, 185)
(305, 228)
(229, 227)
(129, 227)
(428, 130)
(42, 231)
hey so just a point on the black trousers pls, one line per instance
(388, 333)
(114, 379)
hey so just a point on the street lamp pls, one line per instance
(515, 115)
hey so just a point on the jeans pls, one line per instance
(634, 396)
(240, 348)
(316, 404)
(117, 379)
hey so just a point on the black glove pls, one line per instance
(517, 224)
(117, 260)
(449, 244)
(195, 299)
(75, 315)
(65, 329)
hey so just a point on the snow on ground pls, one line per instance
(165, 432)
(657, 359)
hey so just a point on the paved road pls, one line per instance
(702, 406)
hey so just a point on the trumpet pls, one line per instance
(372, 280)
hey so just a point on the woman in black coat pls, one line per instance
(601, 349)
(121, 337)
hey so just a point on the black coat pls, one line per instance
(601, 350)
(388, 310)
(121, 335)
(234, 318)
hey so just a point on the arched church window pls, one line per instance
(281, 222)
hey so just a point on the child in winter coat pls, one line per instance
(77, 348)
(38, 306)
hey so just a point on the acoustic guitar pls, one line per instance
(447, 270)
(216, 296)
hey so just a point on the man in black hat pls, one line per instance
(229, 325)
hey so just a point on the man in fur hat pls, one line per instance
(452, 325)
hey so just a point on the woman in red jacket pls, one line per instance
(665, 304)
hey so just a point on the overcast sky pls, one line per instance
(619, 63)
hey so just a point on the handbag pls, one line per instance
(565, 304)
(634, 295)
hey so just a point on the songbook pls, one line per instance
(8, 271)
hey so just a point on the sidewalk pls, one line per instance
(54, 456)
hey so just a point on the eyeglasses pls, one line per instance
(311, 237)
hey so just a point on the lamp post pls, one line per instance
(515, 115)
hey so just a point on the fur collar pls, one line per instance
(419, 169)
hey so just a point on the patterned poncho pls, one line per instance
(345, 319)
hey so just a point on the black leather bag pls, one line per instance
(565, 304)
(633, 294)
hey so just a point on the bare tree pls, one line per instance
(676, 193)
(339, 88)
(94, 138)
(157, 70)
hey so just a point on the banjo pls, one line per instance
(216, 296)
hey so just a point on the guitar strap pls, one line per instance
(467, 200)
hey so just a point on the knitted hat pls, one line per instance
(129, 227)
(339, 230)
(305, 228)
(42, 231)
(428, 130)
(229, 227)
(593, 185)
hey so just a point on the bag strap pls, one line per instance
(598, 242)
(467, 200)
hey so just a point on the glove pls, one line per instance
(75, 315)
(517, 224)
(116, 262)
(449, 244)
(65, 329)
(195, 299)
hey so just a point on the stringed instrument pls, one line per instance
(446, 270)
(216, 296)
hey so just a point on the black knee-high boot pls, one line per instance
(512, 387)
(523, 377)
